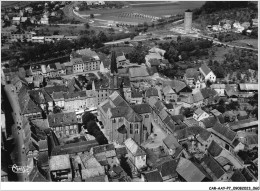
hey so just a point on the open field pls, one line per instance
(7, 4)
(153, 10)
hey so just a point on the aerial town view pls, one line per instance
(129, 91)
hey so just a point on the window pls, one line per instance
(131, 128)
(146, 116)
(114, 121)
(136, 129)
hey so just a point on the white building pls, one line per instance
(207, 73)
(199, 114)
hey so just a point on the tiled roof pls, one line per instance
(151, 92)
(197, 97)
(238, 176)
(159, 105)
(189, 171)
(59, 162)
(73, 148)
(121, 151)
(62, 119)
(106, 105)
(178, 85)
(118, 100)
(58, 95)
(43, 159)
(167, 89)
(215, 112)
(171, 142)
(31, 107)
(218, 86)
(213, 166)
(224, 132)
(153, 176)
(191, 122)
(205, 69)
(168, 167)
(136, 93)
(87, 52)
(76, 61)
(142, 108)
(246, 123)
(120, 58)
(57, 88)
(103, 148)
(215, 149)
(37, 96)
(126, 112)
(138, 72)
(209, 122)
(177, 118)
(223, 161)
(43, 145)
(133, 147)
(199, 111)
(248, 87)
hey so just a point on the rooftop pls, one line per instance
(138, 72)
(205, 69)
(189, 171)
(62, 119)
(153, 176)
(224, 132)
(59, 162)
(134, 148)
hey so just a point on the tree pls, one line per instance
(179, 38)
(102, 36)
(86, 25)
(87, 116)
(138, 54)
(56, 32)
(113, 67)
(91, 15)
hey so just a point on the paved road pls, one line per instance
(225, 44)
(68, 11)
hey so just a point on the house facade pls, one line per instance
(207, 73)
(63, 124)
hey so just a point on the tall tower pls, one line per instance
(19, 128)
(113, 66)
(188, 21)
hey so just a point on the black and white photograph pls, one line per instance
(129, 91)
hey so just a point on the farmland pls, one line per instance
(158, 10)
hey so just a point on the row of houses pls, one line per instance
(30, 37)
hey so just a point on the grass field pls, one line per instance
(154, 10)
(244, 42)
